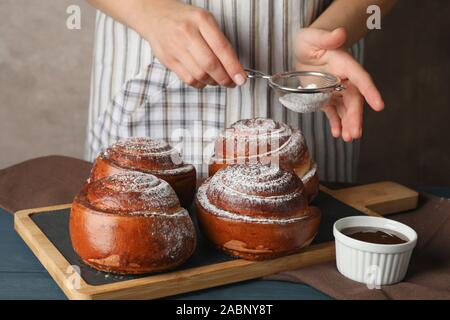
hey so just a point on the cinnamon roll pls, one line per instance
(131, 223)
(266, 141)
(154, 156)
(256, 211)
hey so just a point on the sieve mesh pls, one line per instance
(301, 91)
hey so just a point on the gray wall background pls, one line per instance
(45, 70)
(44, 79)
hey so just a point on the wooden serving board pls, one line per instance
(45, 231)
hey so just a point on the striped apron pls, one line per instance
(133, 94)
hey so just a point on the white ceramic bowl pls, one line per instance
(370, 263)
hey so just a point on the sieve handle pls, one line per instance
(255, 74)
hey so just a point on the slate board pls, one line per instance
(55, 225)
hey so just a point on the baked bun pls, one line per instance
(266, 141)
(154, 156)
(256, 212)
(131, 223)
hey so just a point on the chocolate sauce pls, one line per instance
(375, 235)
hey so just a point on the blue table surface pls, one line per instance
(23, 277)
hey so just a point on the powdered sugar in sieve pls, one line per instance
(305, 102)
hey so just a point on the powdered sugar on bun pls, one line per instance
(254, 193)
(153, 156)
(143, 146)
(251, 126)
(261, 140)
(261, 180)
(133, 193)
(131, 223)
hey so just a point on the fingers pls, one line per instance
(191, 65)
(333, 119)
(323, 39)
(344, 113)
(352, 119)
(185, 75)
(207, 62)
(223, 50)
(362, 80)
(205, 53)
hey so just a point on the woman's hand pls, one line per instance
(322, 50)
(188, 41)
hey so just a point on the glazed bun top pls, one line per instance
(146, 154)
(254, 192)
(261, 140)
(132, 193)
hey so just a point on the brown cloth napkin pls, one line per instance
(55, 180)
(42, 182)
(428, 275)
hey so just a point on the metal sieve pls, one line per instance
(301, 91)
